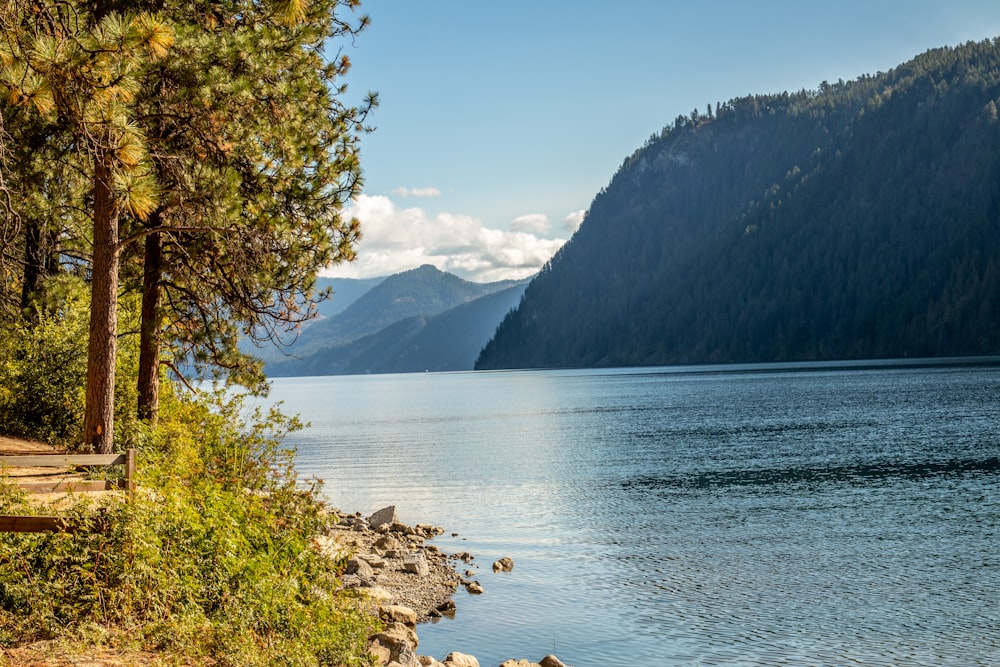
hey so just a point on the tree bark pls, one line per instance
(149, 329)
(99, 412)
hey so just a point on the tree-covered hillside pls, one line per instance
(859, 220)
(415, 320)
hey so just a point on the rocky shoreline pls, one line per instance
(393, 567)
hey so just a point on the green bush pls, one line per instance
(214, 557)
(43, 369)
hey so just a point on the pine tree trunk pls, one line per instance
(149, 329)
(99, 413)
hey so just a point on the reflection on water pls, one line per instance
(863, 474)
(764, 515)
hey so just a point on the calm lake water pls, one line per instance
(843, 514)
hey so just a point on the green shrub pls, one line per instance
(43, 369)
(214, 557)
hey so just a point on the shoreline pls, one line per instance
(407, 581)
(391, 567)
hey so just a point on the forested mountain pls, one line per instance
(859, 220)
(343, 292)
(424, 319)
(450, 341)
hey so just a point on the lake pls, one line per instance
(797, 514)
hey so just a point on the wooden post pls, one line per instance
(130, 473)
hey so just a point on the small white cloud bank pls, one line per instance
(398, 239)
(573, 221)
(531, 223)
(406, 193)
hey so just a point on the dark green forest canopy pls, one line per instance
(859, 220)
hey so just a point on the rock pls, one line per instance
(474, 587)
(429, 531)
(396, 634)
(386, 543)
(381, 652)
(463, 556)
(378, 594)
(505, 564)
(416, 564)
(470, 573)
(399, 614)
(456, 659)
(386, 515)
(428, 661)
(551, 661)
(447, 607)
(518, 663)
(361, 568)
(377, 562)
(402, 528)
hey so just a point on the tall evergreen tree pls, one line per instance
(256, 154)
(81, 67)
(219, 157)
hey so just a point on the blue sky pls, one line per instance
(500, 121)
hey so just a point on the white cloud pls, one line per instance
(416, 192)
(574, 220)
(532, 223)
(398, 239)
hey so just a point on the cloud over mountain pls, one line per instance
(397, 239)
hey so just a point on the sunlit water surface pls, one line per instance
(744, 515)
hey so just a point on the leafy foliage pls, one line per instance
(214, 557)
(858, 220)
(43, 367)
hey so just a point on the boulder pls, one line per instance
(378, 594)
(376, 561)
(505, 564)
(385, 516)
(456, 659)
(474, 587)
(551, 661)
(402, 528)
(399, 614)
(382, 653)
(416, 564)
(428, 661)
(386, 543)
(361, 568)
(395, 635)
(518, 663)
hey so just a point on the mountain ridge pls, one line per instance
(372, 333)
(857, 220)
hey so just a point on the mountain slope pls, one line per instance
(450, 341)
(369, 335)
(860, 220)
(343, 292)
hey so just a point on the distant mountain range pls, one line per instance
(860, 220)
(418, 320)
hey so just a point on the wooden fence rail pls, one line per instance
(36, 524)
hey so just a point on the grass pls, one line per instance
(214, 559)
